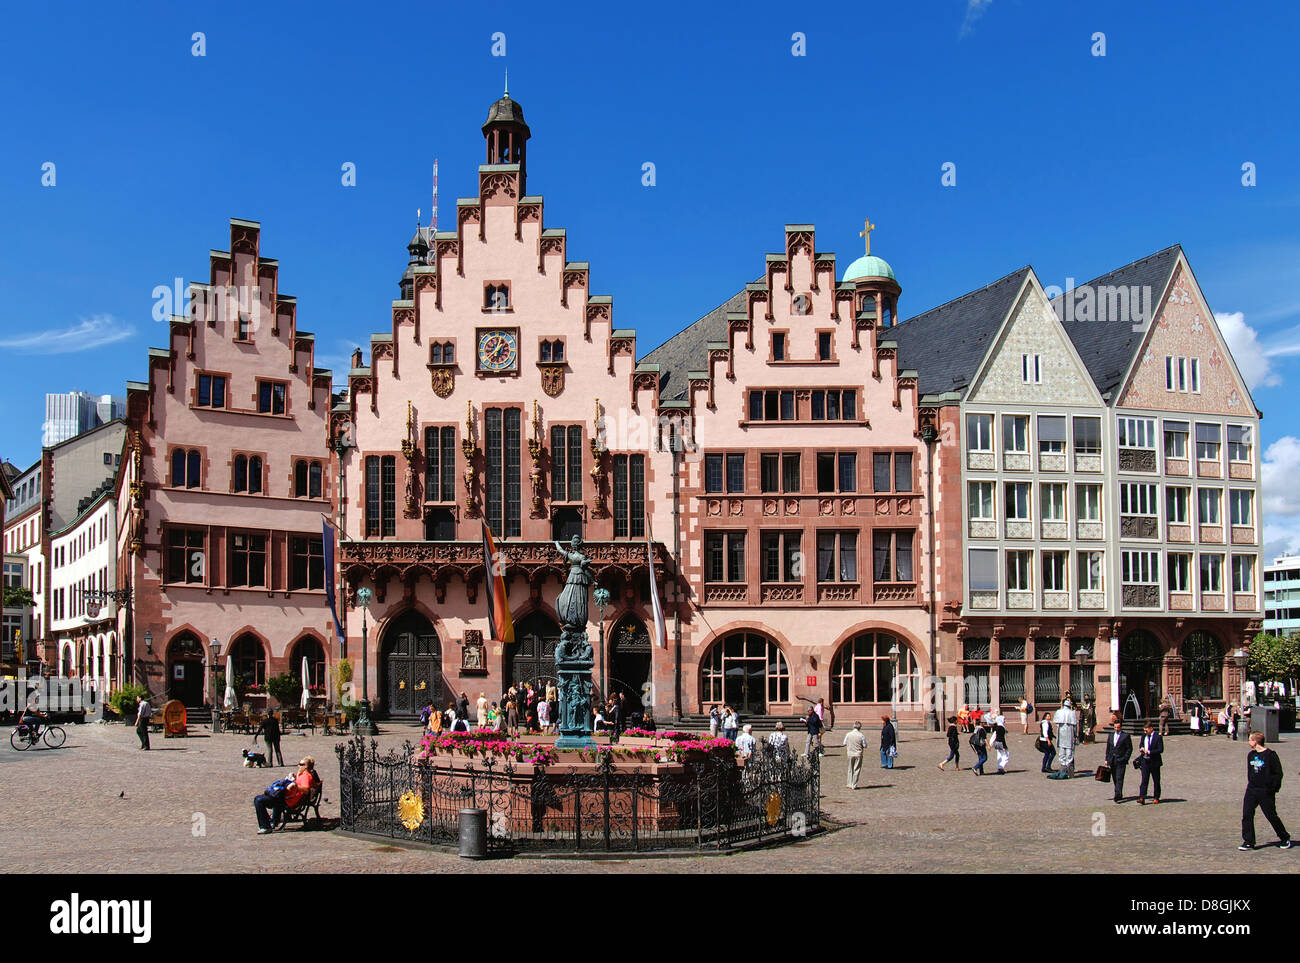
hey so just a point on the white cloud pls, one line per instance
(1252, 358)
(974, 10)
(339, 361)
(100, 330)
(1280, 468)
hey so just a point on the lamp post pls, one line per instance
(1081, 658)
(894, 653)
(601, 598)
(363, 725)
(216, 698)
(1241, 659)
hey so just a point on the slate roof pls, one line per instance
(1107, 344)
(688, 349)
(945, 345)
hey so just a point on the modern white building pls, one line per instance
(1282, 595)
(73, 412)
(83, 626)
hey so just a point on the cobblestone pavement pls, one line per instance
(101, 805)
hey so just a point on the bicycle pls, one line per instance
(25, 737)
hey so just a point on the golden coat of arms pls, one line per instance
(410, 810)
(773, 808)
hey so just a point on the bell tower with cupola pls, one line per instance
(877, 288)
(507, 136)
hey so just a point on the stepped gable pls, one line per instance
(688, 349)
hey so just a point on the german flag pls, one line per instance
(500, 625)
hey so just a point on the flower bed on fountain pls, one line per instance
(484, 743)
(635, 746)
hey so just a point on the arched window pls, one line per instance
(862, 670)
(311, 648)
(241, 473)
(1202, 666)
(300, 479)
(746, 671)
(185, 468)
(255, 475)
(313, 480)
(249, 659)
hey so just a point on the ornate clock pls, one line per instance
(498, 349)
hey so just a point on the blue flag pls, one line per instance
(330, 593)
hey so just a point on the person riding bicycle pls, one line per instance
(32, 721)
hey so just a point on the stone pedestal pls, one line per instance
(575, 703)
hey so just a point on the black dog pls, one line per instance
(252, 759)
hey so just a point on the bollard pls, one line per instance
(473, 834)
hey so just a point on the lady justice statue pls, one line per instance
(573, 656)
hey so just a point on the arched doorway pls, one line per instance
(411, 666)
(746, 671)
(532, 657)
(1202, 666)
(629, 662)
(1140, 660)
(863, 672)
(185, 668)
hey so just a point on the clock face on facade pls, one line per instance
(498, 349)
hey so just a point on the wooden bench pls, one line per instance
(298, 813)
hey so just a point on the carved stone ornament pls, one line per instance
(552, 379)
(444, 381)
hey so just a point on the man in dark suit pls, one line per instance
(1150, 751)
(1119, 750)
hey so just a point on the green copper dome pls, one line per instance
(869, 266)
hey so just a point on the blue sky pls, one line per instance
(1070, 162)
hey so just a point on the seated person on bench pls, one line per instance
(302, 784)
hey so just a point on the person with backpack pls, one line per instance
(979, 741)
(284, 794)
(1263, 781)
(1026, 713)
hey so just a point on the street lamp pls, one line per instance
(894, 653)
(216, 699)
(1241, 659)
(601, 598)
(148, 641)
(363, 724)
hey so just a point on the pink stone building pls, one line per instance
(225, 479)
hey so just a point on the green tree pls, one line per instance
(16, 596)
(1274, 657)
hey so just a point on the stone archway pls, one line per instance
(410, 667)
(532, 657)
(745, 670)
(1141, 660)
(630, 660)
(185, 669)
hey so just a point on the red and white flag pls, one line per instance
(661, 631)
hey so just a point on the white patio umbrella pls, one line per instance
(228, 701)
(305, 683)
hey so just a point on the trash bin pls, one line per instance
(1265, 719)
(473, 833)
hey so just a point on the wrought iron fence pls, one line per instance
(708, 804)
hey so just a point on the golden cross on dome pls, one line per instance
(868, 227)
